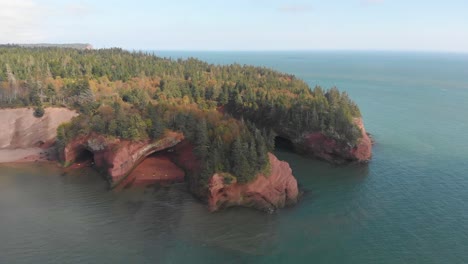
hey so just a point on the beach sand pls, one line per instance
(27, 155)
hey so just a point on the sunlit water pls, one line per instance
(409, 205)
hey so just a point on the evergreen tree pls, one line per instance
(201, 140)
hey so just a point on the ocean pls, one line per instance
(408, 205)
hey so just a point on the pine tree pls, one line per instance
(262, 157)
(201, 140)
(239, 161)
(157, 127)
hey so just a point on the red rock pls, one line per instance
(182, 154)
(266, 192)
(363, 150)
(156, 169)
(322, 147)
(119, 158)
(116, 157)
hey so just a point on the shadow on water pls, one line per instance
(175, 216)
(313, 175)
(317, 179)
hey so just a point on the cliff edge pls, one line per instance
(114, 157)
(19, 128)
(26, 137)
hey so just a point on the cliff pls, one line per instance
(318, 145)
(115, 157)
(266, 192)
(20, 129)
(24, 137)
(118, 158)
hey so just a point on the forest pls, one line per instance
(230, 113)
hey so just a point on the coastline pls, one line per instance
(27, 155)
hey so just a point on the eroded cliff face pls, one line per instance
(116, 158)
(19, 128)
(322, 147)
(266, 192)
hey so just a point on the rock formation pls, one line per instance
(322, 147)
(116, 157)
(266, 192)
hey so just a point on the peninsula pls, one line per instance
(212, 126)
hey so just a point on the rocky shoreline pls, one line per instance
(126, 162)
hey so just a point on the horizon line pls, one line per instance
(247, 50)
(291, 50)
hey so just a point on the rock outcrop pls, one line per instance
(19, 128)
(266, 192)
(322, 147)
(116, 158)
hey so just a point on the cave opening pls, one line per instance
(283, 143)
(85, 157)
(157, 167)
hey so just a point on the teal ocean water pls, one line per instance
(409, 205)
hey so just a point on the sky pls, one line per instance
(415, 25)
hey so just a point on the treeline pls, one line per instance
(330, 112)
(137, 95)
(71, 77)
(223, 144)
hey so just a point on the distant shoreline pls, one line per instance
(82, 46)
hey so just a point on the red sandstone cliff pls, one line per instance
(320, 146)
(265, 193)
(116, 157)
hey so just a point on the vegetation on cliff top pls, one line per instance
(230, 113)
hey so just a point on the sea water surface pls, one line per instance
(408, 205)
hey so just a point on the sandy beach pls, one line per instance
(27, 155)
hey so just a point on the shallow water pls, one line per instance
(409, 205)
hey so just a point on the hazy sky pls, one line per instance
(440, 25)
